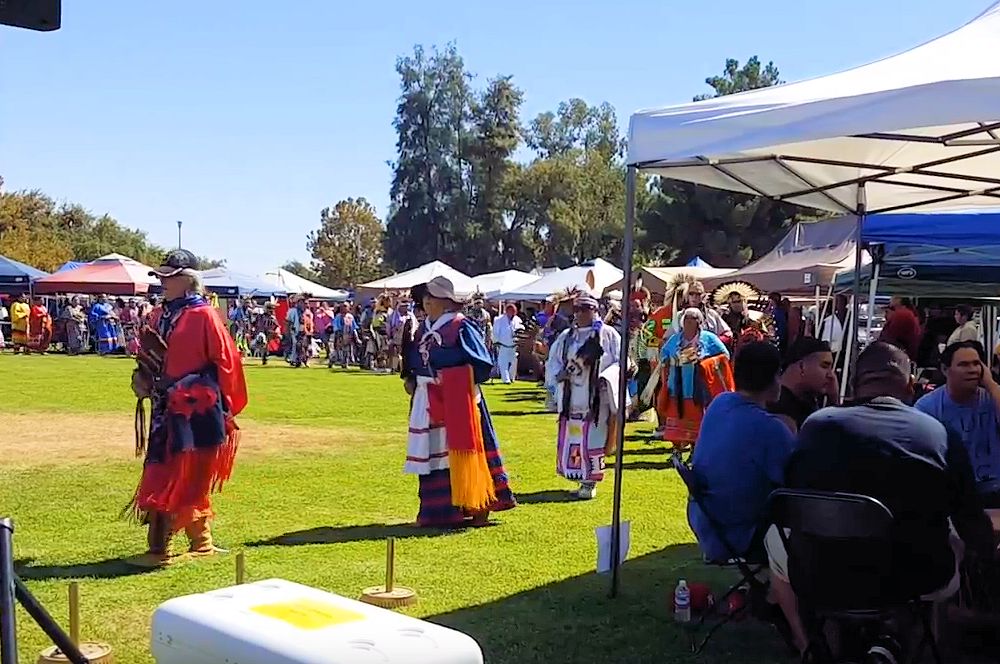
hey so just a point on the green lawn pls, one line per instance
(318, 513)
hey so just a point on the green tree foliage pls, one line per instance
(680, 220)
(347, 248)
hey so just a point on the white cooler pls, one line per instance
(280, 622)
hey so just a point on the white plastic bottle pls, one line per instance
(682, 602)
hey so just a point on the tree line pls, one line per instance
(37, 231)
(477, 187)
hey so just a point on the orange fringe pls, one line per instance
(181, 487)
(471, 480)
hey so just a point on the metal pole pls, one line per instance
(616, 513)
(852, 357)
(8, 621)
(390, 564)
(872, 292)
(179, 224)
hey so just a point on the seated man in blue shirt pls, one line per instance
(739, 458)
(969, 405)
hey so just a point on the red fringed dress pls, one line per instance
(193, 437)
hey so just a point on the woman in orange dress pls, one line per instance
(696, 369)
(39, 327)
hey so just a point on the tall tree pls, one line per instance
(680, 220)
(429, 200)
(347, 248)
(495, 136)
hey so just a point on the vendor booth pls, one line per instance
(593, 276)
(463, 283)
(492, 284)
(226, 283)
(113, 274)
(918, 130)
(292, 284)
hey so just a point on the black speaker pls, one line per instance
(44, 15)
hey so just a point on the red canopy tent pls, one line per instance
(113, 274)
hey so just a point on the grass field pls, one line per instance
(318, 488)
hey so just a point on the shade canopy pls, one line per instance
(421, 275)
(697, 261)
(598, 271)
(111, 275)
(660, 279)
(292, 284)
(918, 129)
(811, 254)
(934, 255)
(16, 277)
(228, 283)
(69, 265)
(492, 284)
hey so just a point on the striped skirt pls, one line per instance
(436, 510)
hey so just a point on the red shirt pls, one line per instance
(902, 329)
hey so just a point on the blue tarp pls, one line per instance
(227, 283)
(698, 262)
(15, 276)
(925, 252)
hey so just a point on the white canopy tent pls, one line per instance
(492, 284)
(915, 130)
(659, 279)
(592, 276)
(293, 284)
(421, 275)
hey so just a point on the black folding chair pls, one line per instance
(830, 537)
(743, 561)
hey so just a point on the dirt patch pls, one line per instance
(59, 438)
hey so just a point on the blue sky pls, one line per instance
(244, 120)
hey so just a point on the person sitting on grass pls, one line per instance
(738, 460)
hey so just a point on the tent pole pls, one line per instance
(817, 320)
(616, 513)
(872, 292)
(852, 355)
(846, 347)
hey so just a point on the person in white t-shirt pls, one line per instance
(505, 329)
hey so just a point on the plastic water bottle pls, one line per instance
(682, 602)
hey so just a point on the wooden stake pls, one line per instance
(74, 612)
(390, 564)
(241, 570)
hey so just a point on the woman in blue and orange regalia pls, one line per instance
(452, 450)
(196, 396)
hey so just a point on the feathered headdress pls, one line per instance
(566, 295)
(746, 291)
(678, 289)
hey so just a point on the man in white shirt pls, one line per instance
(505, 329)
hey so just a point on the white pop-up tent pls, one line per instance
(916, 130)
(293, 284)
(420, 275)
(593, 276)
(659, 279)
(492, 284)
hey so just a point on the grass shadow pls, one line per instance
(112, 568)
(517, 413)
(518, 397)
(643, 465)
(574, 620)
(338, 534)
(647, 451)
(543, 497)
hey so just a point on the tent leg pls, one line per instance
(872, 292)
(616, 513)
(847, 347)
(852, 339)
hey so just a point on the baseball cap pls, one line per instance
(174, 263)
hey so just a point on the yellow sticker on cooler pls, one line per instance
(308, 613)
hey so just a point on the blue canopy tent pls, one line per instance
(16, 277)
(926, 255)
(70, 265)
(698, 262)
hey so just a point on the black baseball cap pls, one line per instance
(803, 347)
(174, 263)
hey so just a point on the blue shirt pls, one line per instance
(977, 424)
(738, 460)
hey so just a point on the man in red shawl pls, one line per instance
(196, 395)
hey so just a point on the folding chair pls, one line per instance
(740, 560)
(825, 535)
